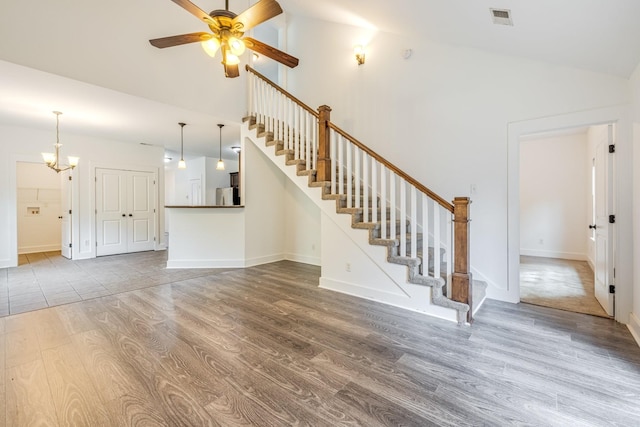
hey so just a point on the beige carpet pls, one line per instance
(559, 283)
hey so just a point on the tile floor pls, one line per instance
(47, 279)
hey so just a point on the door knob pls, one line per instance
(123, 215)
(593, 227)
(130, 214)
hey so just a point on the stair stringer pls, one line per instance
(401, 271)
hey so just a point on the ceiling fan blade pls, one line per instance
(231, 71)
(271, 52)
(163, 42)
(256, 14)
(197, 12)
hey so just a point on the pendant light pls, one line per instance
(220, 165)
(53, 159)
(181, 163)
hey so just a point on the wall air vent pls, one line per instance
(501, 16)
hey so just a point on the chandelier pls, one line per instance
(53, 159)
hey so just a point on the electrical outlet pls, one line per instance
(347, 266)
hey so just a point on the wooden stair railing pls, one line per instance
(400, 212)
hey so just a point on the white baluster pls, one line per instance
(365, 188)
(392, 204)
(414, 223)
(340, 165)
(349, 175)
(436, 240)
(374, 191)
(356, 175)
(332, 144)
(403, 217)
(449, 246)
(383, 201)
(425, 234)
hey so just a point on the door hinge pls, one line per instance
(70, 178)
(612, 219)
(612, 148)
(612, 289)
(69, 244)
(69, 211)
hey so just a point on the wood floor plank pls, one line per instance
(3, 382)
(50, 329)
(126, 399)
(29, 401)
(74, 396)
(21, 347)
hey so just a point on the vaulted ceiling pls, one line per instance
(92, 59)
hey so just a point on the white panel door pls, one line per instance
(65, 214)
(604, 276)
(125, 211)
(141, 215)
(111, 212)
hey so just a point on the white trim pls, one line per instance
(395, 300)
(554, 254)
(251, 262)
(634, 327)
(38, 248)
(623, 190)
(305, 259)
(206, 263)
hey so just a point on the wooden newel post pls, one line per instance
(461, 282)
(324, 144)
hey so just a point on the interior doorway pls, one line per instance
(565, 182)
(39, 207)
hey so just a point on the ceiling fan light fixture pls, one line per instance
(231, 59)
(236, 46)
(211, 46)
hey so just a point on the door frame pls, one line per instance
(159, 213)
(14, 159)
(623, 239)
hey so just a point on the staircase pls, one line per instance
(418, 228)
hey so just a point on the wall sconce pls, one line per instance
(359, 52)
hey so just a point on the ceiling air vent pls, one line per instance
(501, 16)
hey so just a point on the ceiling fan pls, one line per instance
(227, 34)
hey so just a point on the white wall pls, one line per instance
(22, 144)
(39, 188)
(634, 324)
(265, 217)
(302, 233)
(555, 190)
(442, 115)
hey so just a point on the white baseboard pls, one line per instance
(554, 254)
(389, 298)
(40, 248)
(206, 263)
(312, 260)
(251, 262)
(634, 327)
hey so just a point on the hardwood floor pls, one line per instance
(264, 346)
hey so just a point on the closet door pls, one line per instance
(125, 213)
(141, 215)
(111, 212)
